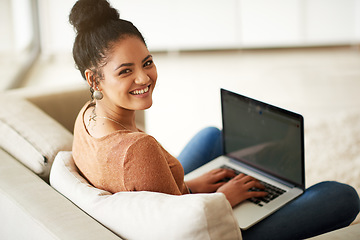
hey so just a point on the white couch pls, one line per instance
(36, 139)
(36, 135)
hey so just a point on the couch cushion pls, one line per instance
(31, 136)
(147, 215)
(31, 209)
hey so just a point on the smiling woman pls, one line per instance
(108, 148)
(114, 155)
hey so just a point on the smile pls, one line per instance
(140, 91)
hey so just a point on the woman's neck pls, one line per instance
(122, 117)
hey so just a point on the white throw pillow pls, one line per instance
(147, 215)
(31, 136)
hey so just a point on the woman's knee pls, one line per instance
(214, 136)
(349, 194)
(212, 132)
(202, 148)
(340, 189)
(346, 197)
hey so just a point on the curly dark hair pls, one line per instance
(98, 25)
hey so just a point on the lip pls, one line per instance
(141, 92)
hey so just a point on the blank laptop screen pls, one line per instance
(263, 136)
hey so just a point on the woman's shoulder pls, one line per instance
(79, 123)
(130, 137)
(80, 117)
(133, 143)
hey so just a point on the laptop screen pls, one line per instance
(263, 136)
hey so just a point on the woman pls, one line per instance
(113, 154)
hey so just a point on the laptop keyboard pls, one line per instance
(273, 192)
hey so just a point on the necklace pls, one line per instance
(94, 116)
(113, 121)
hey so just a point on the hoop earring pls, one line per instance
(98, 95)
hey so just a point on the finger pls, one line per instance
(254, 184)
(221, 171)
(217, 170)
(225, 173)
(215, 174)
(259, 185)
(239, 176)
(242, 178)
(219, 184)
(257, 194)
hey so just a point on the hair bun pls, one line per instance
(89, 14)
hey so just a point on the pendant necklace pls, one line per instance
(113, 121)
(94, 116)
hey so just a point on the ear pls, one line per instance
(90, 78)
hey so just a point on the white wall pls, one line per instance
(57, 35)
(186, 24)
(210, 24)
(23, 28)
(271, 23)
(5, 28)
(16, 29)
(331, 21)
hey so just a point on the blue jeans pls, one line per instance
(324, 207)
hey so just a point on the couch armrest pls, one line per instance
(34, 210)
(63, 103)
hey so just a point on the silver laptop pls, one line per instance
(266, 142)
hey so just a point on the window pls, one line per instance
(19, 42)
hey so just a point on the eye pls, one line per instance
(125, 71)
(148, 63)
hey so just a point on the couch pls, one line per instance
(43, 196)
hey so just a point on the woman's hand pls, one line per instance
(211, 181)
(237, 189)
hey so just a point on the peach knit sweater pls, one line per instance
(126, 161)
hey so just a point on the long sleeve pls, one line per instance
(148, 167)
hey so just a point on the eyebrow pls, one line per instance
(132, 64)
(147, 57)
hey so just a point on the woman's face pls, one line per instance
(129, 76)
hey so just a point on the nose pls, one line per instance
(142, 78)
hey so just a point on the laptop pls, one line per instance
(263, 141)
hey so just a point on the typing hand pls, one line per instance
(211, 181)
(237, 189)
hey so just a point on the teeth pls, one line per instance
(141, 91)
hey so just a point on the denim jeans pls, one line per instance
(324, 207)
